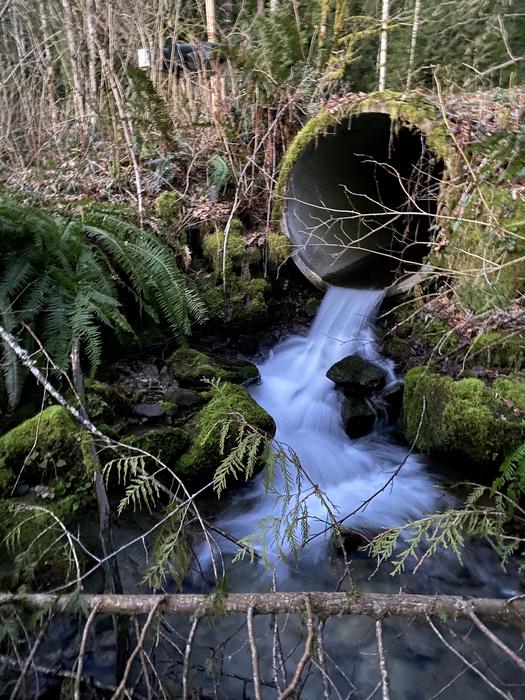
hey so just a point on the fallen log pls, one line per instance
(509, 611)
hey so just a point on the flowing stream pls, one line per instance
(294, 389)
(306, 408)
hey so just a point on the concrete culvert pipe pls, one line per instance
(358, 194)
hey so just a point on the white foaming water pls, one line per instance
(306, 408)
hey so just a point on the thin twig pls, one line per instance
(497, 641)
(253, 650)
(382, 661)
(290, 690)
(122, 685)
(82, 651)
(467, 663)
(187, 652)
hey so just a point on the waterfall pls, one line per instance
(306, 407)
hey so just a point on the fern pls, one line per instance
(152, 102)
(63, 278)
(218, 172)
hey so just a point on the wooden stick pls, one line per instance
(307, 653)
(382, 661)
(497, 641)
(375, 605)
(255, 660)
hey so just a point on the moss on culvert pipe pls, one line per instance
(359, 187)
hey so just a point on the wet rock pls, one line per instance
(354, 374)
(471, 419)
(149, 410)
(208, 448)
(165, 443)
(193, 368)
(183, 398)
(47, 444)
(358, 416)
(392, 398)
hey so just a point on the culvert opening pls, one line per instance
(361, 200)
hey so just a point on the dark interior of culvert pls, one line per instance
(361, 200)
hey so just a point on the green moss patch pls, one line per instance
(498, 349)
(279, 249)
(45, 444)
(239, 255)
(168, 205)
(167, 444)
(465, 418)
(192, 368)
(205, 454)
(30, 533)
(488, 233)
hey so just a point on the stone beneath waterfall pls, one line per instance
(358, 416)
(355, 374)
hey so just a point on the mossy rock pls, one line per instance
(465, 418)
(511, 391)
(32, 536)
(408, 338)
(107, 402)
(355, 374)
(192, 368)
(44, 444)
(239, 255)
(205, 454)
(472, 242)
(496, 349)
(246, 302)
(279, 249)
(244, 307)
(168, 205)
(167, 444)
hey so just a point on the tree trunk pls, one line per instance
(91, 40)
(211, 21)
(376, 605)
(47, 53)
(385, 15)
(413, 43)
(112, 581)
(74, 46)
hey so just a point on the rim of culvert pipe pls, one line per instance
(410, 110)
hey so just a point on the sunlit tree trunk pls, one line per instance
(91, 40)
(413, 43)
(211, 21)
(274, 4)
(47, 53)
(260, 7)
(73, 45)
(385, 14)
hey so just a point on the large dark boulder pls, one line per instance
(358, 416)
(356, 375)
